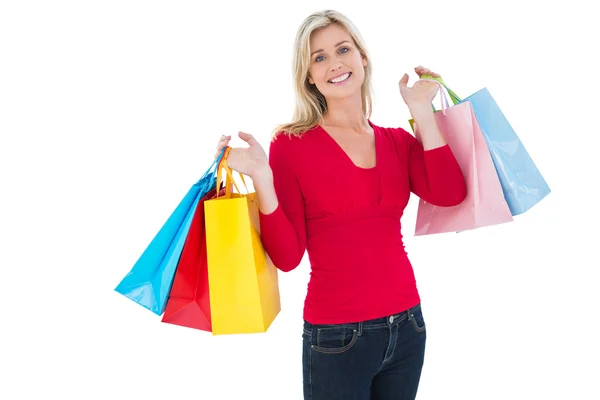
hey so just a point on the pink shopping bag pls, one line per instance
(485, 204)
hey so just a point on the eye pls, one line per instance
(344, 50)
(319, 58)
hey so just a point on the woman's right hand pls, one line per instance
(251, 161)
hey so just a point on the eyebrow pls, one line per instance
(336, 45)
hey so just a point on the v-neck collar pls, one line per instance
(347, 157)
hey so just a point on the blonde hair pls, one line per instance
(310, 104)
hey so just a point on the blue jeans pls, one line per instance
(378, 359)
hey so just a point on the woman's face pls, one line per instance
(336, 65)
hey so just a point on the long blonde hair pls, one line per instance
(310, 105)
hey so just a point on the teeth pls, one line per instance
(341, 78)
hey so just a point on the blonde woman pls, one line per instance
(335, 184)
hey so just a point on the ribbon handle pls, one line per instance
(453, 96)
(229, 181)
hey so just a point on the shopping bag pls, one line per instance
(522, 182)
(189, 303)
(243, 282)
(148, 283)
(484, 204)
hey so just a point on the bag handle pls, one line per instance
(443, 100)
(215, 163)
(229, 181)
(443, 97)
(231, 172)
(453, 96)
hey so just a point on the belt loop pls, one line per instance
(409, 314)
(360, 328)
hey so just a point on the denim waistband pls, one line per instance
(383, 322)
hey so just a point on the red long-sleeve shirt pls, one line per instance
(348, 219)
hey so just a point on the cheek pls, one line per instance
(317, 72)
(316, 69)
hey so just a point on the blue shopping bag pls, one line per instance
(522, 183)
(149, 281)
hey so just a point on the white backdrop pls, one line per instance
(110, 110)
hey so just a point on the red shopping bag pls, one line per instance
(189, 302)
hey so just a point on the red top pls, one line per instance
(348, 219)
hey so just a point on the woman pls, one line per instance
(335, 184)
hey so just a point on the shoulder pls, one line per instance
(286, 151)
(282, 142)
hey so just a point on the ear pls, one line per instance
(364, 61)
(311, 80)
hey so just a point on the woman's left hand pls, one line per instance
(422, 92)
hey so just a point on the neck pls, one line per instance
(346, 113)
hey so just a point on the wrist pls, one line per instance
(422, 114)
(420, 110)
(262, 179)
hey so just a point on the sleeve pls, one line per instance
(283, 232)
(435, 175)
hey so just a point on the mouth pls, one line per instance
(341, 78)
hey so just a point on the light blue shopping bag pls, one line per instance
(522, 183)
(149, 281)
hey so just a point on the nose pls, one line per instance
(336, 66)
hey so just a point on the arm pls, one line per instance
(435, 175)
(431, 136)
(281, 210)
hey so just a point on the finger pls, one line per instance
(224, 138)
(221, 147)
(404, 80)
(429, 72)
(222, 144)
(218, 153)
(248, 138)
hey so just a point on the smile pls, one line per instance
(340, 78)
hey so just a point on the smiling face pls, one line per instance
(336, 64)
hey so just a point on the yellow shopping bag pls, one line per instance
(243, 282)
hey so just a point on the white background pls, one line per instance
(110, 110)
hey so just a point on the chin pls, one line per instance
(343, 92)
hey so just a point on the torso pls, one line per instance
(354, 187)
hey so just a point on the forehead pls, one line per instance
(328, 37)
